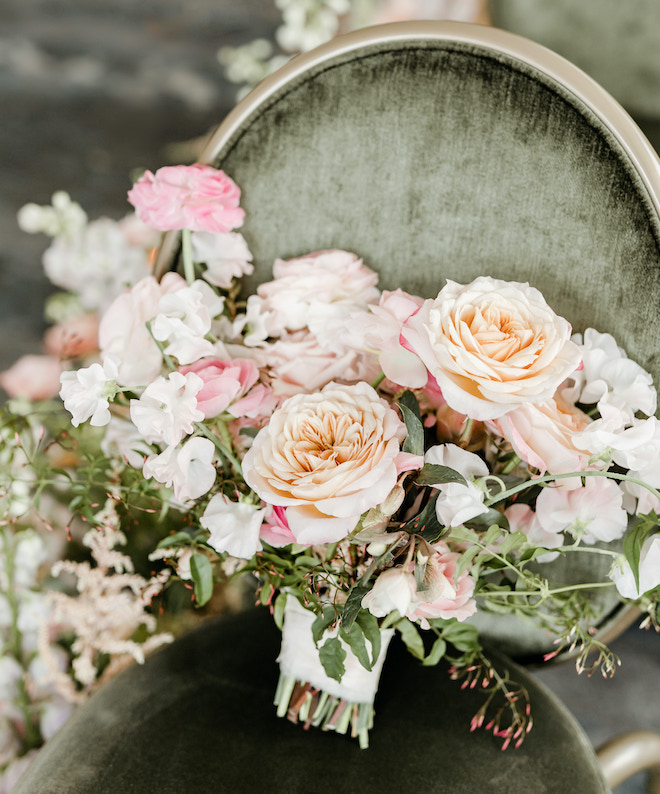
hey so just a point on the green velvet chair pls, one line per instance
(433, 150)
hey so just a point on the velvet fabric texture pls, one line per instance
(436, 159)
(198, 717)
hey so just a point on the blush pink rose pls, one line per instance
(492, 345)
(34, 377)
(544, 435)
(299, 363)
(75, 337)
(228, 386)
(327, 457)
(196, 197)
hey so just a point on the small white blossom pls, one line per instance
(189, 470)
(226, 256)
(649, 571)
(234, 526)
(183, 320)
(86, 392)
(63, 217)
(167, 408)
(394, 589)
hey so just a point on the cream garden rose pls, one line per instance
(327, 457)
(492, 345)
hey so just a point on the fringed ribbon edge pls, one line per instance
(300, 702)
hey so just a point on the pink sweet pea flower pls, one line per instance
(74, 337)
(196, 197)
(275, 528)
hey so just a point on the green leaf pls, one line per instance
(325, 619)
(174, 540)
(353, 604)
(514, 540)
(369, 625)
(486, 520)
(426, 524)
(634, 540)
(414, 443)
(434, 474)
(436, 653)
(411, 638)
(356, 642)
(463, 636)
(201, 571)
(278, 610)
(332, 657)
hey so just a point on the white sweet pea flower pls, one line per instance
(189, 469)
(234, 526)
(86, 392)
(183, 320)
(167, 409)
(394, 589)
(457, 503)
(607, 369)
(593, 512)
(649, 571)
(226, 256)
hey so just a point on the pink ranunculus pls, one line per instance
(226, 386)
(444, 595)
(492, 345)
(123, 329)
(34, 377)
(196, 197)
(543, 435)
(74, 337)
(327, 457)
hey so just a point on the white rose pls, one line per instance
(492, 345)
(328, 457)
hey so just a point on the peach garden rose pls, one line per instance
(327, 457)
(492, 345)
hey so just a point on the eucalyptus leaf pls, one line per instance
(332, 656)
(201, 571)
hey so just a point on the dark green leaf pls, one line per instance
(369, 625)
(353, 604)
(355, 640)
(174, 540)
(325, 619)
(426, 524)
(414, 443)
(248, 431)
(201, 571)
(332, 657)
(463, 636)
(410, 401)
(434, 474)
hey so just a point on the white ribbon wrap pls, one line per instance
(299, 658)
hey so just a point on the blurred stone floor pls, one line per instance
(91, 90)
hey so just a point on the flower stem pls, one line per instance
(223, 448)
(501, 497)
(186, 251)
(378, 380)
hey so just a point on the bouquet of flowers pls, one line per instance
(380, 462)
